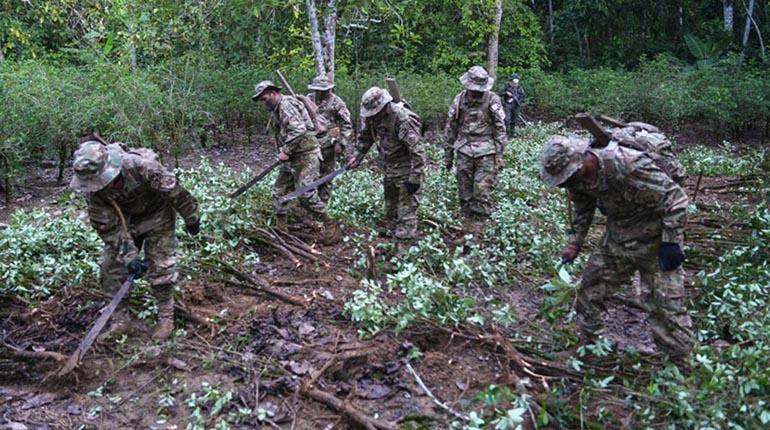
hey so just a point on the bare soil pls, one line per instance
(267, 352)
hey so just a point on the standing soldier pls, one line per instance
(513, 97)
(336, 112)
(132, 203)
(300, 157)
(646, 213)
(402, 156)
(475, 130)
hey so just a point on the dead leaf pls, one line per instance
(301, 368)
(462, 386)
(177, 363)
(305, 329)
(372, 391)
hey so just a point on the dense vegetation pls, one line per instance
(178, 75)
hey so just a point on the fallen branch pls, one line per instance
(438, 402)
(297, 301)
(36, 355)
(349, 410)
(255, 284)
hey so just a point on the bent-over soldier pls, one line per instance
(300, 157)
(333, 143)
(475, 131)
(646, 215)
(133, 202)
(402, 157)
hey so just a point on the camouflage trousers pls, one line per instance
(328, 164)
(475, 179)
(156, 235)
(299, 170)
(401, 207)
(612, 266)
(512, 112)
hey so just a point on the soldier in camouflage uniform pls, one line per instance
(133, 202)
(646, 213)
(336, 112)
(300, 157)
(475, 130)
(513, 97)
(402, 157)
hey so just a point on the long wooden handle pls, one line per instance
(285, 83)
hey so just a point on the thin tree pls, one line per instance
(727, 12)
(315, 38)
(747, 26)
(494, 39)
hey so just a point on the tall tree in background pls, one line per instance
(494, 40)
(323, 43)
(728, 13)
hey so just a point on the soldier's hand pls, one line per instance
(448, 163)
(282, 157)
(353, 162)
(194, 228)
(411, 187)
(137, 268)
(499, 162)
(338, 148)
(670, 256)
(569, 253)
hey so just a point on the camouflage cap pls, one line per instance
(514, 77)
(321, 83)
(561, 158)
(373, 100)
(477, 79)
(95, 165)
(262, 86)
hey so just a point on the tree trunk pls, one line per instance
(747, 26)
(727, 11)
(315, 37)
(2, 56)
(494, 39)
(550, 19)
(330, 36)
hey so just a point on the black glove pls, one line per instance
(137, 268)
(411, 187)
(670, 256)
(194, 228)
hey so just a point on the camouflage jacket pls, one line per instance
(336, 112)
(143, 191)
(293, 126)
(641, 201)
(476, 127)
(399, 142)
(512, 95)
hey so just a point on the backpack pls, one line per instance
(320, 123)
(641, 137)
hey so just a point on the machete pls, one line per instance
(87, 341)
(254, 180)
(313, 185)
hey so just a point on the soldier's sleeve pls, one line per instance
(164, 181)
(585, 206)
(101, 215)
(365, 139)
(293, 122)
(409, 133)
(649, 186)
(498, 124)
(346, 124)
(452, 126)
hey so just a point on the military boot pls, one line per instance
(165, 297)
(332, 234)
(281, 222)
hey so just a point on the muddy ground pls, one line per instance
(270, 354)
